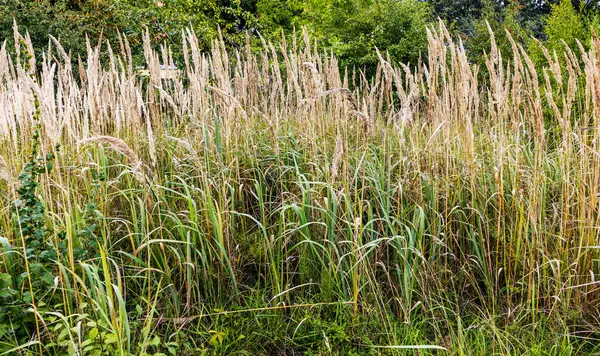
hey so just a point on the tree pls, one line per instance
(67, 20)
(354, 28)
(458, 15)
(275, 16)
(72, 21)
(566, 24)
(500, 19)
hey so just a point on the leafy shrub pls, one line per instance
(353, 28)
(500, 20)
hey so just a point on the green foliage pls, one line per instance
(353, 28)
(459, 15)
(499, 20)
(72, 22)
(275, 16)
(565, 24)
(29, 211)
(69, 21)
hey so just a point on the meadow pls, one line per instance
(269, 202)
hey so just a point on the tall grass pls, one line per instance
(269, 202)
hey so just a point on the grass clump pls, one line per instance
(266, 203)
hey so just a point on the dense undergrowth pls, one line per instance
(270, 204)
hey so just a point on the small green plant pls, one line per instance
(29, 215)
(29, 210)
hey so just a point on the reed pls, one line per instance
(283, 205)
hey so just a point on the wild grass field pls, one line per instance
(272, 203)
